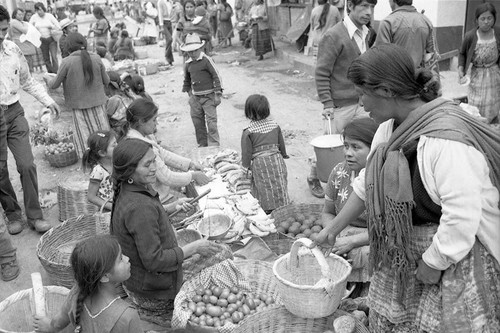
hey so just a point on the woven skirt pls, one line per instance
(484, 90)
(467, 299)
(261, 40)
(86, 122)
(269, 178)
(153, 310)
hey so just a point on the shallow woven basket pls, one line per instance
(72, 199)
(280, 320)
(55, 246)
(311, 285)
(62, 159)
(16, 311)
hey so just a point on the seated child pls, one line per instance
(101, 51)
(92, 305)
(124, 47)
(98, 156)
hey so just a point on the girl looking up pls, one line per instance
(98, 157)
(92, 304)
(262, 153)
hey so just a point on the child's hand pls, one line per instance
(42, 324)
(217, 99)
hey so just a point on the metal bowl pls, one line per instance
(214, 226)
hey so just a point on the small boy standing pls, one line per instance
(202, 83)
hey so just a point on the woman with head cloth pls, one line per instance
(431, 190)
(84, 79)
(146, 235)
(352, 242)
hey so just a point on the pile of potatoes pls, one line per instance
(301, 226)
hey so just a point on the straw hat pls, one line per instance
(192, 43)
(66, 23)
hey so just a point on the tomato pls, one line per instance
(197, 298)
(232, 298)
(217, 291)
(196, 320)
(227, 321)
(245, 309)
(257, 302)
(222, 302)
(240, 296)
(250, 302)
(213, 300)
(239, 303)
(208, 292)
(231, 308)
(192, 306)
(226, 314)
(269, 300)
(236, 317)
(200, 291)
(214, 311)
(203, 323)
(234, 290)
(199, 311)
(206, 299)
(217, 323)
(210, 322)
(225, 293)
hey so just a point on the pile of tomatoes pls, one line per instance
(218, 306)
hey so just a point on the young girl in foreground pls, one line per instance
(262, 153)
(98, 157)
(92, 305)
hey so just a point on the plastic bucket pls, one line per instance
(329, 150)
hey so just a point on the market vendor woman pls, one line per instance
(353, 240)
(432, 196)
(145, 234)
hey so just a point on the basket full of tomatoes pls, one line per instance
(61, 154)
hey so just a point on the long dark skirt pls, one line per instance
(261, 40)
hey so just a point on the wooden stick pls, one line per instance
(191, 201)
(38, 294)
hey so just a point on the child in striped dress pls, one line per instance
(263, 153)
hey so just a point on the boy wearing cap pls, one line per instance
(203, 84)
(67, 26)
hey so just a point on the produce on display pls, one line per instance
(218, 306)
(301, 226)
(59, 148)
(344, 324)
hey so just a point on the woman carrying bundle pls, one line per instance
(84, 79)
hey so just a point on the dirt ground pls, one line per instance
(293, 105)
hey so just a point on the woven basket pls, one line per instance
(260, 277)
(280, 320)
(292, 210)
(62, 159)
(311, 285)
(72, 199)
(55, 246)
(16, 311)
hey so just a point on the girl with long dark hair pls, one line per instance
(84, 79)
(323, 17)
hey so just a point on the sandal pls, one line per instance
(315, 187)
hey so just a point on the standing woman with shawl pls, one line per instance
(261, 35)
(432, 196)
(323, 17)
(225, 24)
(84, 79)
(481, 49)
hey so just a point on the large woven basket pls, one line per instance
(311, 285)
(62, 160)
(72, 199)
(280, 320)
(260, 277)
(16, 311)
(55, 246)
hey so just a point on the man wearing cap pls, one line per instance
(14, 75)
(203, 84)
(67, 26)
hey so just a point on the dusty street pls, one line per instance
(293, 105)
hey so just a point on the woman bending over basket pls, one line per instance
(92, 304)
(432, 197)
(145, 233)
(142, 115)
(353, 240)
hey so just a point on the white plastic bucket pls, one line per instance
(329, 150)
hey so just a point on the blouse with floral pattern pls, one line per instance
(338, 189)
(101, 175)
